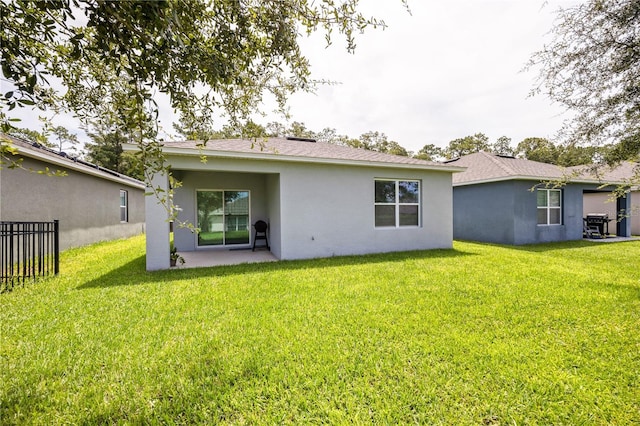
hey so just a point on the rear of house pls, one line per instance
(91, 203)
(318, 199)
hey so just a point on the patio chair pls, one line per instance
(260, 234)
(590, 231)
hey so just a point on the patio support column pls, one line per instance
(157, 218)
(623, 223)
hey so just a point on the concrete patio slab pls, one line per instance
(612, 239)
(205, 258)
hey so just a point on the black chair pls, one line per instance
(260, 234)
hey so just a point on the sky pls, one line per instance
(450, 69)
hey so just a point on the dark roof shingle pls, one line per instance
(296, 149)
(488, 167)
(484, 166)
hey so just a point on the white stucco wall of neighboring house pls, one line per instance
(87, 205)
(604, 203)
(318, 210)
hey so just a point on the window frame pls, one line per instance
(398, 204)
(124, 207)
(548, 208)
(224, 224)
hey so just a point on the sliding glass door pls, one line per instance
(223, 217)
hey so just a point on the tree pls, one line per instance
(328, 134)
(430, 152)
(194, 127)
(276, 130)
(502, 146)
(377, 141)
(592, 67)
(206, 56)
(64, 137)
(566, 155)
(237, 54)
(574, 155)
(105, 150)
(627, 149)
(537, 149)
(467, 145)
(299, 130)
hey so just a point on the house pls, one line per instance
(91, 203)
(318, 199)
(502, 199)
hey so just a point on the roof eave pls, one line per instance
(301, 159)
(538, 179)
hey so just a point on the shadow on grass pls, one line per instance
(134, 272)
(548, 247)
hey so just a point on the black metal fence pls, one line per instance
(28, 250)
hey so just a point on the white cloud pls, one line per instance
(450, 69)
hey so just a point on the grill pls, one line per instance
(596, 225)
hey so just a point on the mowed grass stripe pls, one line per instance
(482, 334)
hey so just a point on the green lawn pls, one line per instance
(481, 334)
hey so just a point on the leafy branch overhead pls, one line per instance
(223, 56)
(592, 67)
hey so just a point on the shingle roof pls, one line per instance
(623, 172)
(487, 167)
(61, 159)
(283, 149)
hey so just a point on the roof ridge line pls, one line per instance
(498, 163)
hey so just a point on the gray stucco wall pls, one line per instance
(318, 210)
(485, 212)
(88, 207)
(506, 213)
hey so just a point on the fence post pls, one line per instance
(56, 246)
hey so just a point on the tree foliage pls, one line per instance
(205, 56)
(592, 67)
(568, 154)
(467, 145)
(105, 150)
(430, 152)
(537, 149)
(374, 141)
(502, 146)
(64, 138)
(202, 54)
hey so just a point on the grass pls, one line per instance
(481, 334)
(228, 237)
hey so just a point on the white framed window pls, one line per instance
(549, 206)
(124, 206)
(397, 203)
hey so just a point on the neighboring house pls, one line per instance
(319, 199)
(502, 199)
(92, 203)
